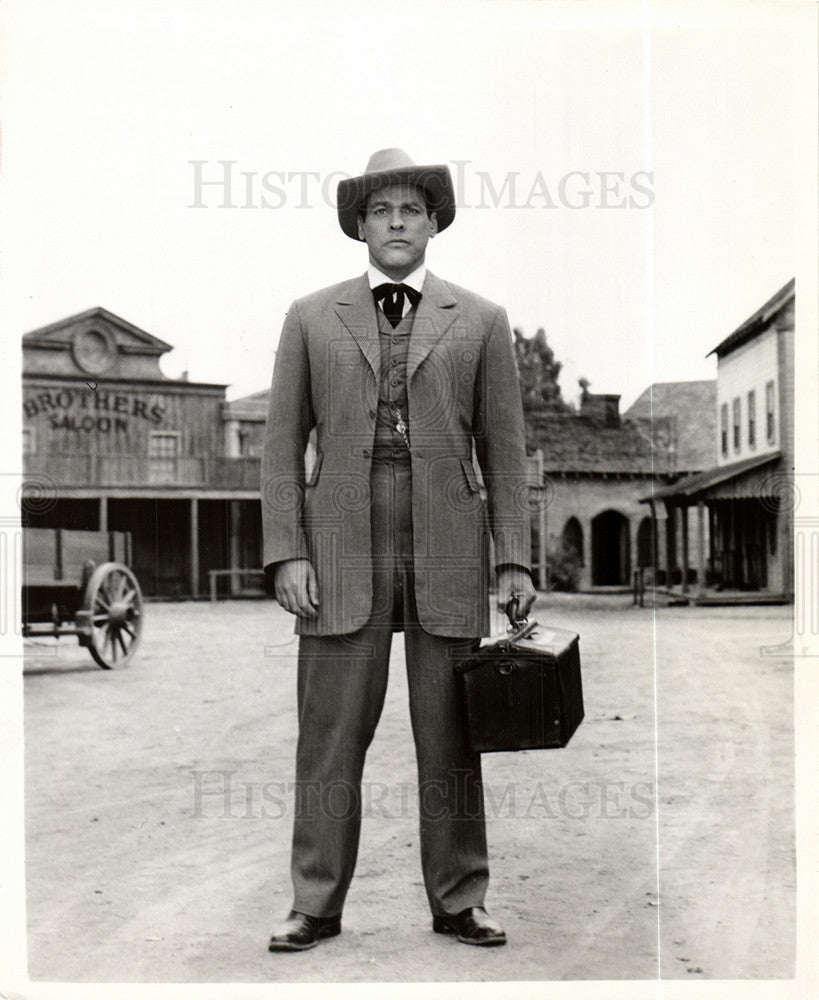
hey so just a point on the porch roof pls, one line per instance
(734, 480)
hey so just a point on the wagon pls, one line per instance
(78, 583)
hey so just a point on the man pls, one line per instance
(401, 375)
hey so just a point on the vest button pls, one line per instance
(372, 413)
(366, 453)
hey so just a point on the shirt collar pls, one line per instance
(415, 279)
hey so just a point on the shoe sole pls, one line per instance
(441, 926)
(290, 946)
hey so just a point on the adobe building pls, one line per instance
(110, 443)
(598, 464)
(741, 539)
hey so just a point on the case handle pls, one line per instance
(511, 609)
(518, 628)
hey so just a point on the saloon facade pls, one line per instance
(110, 443)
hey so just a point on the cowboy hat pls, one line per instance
(393, 166)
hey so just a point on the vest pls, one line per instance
(392, 387)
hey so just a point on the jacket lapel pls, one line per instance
(356, 309)
(437, 311)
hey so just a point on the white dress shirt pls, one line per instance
(415, 280)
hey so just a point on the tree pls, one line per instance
(538, 372)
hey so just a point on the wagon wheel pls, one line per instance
(114, 603)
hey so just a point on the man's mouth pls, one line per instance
(397, 243)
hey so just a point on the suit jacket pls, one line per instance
(462, 390)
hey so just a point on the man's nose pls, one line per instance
(397, 220)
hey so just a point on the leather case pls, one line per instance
(522, 691)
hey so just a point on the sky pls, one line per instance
(626, 173)
(107, 107)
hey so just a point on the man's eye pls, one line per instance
(411, 210)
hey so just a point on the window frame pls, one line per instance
(163, 468)
(751, 418)
(736, 408)
(770, 411)
(723, 427)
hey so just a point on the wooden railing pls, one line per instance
(126, 470)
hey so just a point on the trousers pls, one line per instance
(342, 682)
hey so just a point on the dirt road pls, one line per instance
(659, 843)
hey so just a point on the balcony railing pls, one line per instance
(127, 470)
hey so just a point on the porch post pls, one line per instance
(194, 548)
(700, 546)
(233, 535)
(103, 514)
(685, 549)
(671, 541)
(659, 540)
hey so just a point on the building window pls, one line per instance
(163, 453)
(770, 413)
(29, 441)
(752, 419)
(737, 424)
(723, 428)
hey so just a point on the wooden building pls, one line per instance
(741, 540)
(110, 443)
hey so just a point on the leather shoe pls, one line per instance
(472, 926)
(300, 931)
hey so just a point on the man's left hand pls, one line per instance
(515, 582)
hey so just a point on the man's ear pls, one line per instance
(361, 228)
(433, 224)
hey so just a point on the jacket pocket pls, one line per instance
(312, 479)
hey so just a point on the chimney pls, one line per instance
(602, 408)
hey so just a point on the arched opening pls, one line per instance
(573, 538)
(645, 543)
(610, 550)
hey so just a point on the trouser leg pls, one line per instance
(341, 685)
(453, 828)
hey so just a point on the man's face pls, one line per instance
(396, 228)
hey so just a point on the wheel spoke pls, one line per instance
(115, 615)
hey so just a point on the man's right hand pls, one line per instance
(297, 588)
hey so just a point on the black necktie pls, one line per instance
(392, 298)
